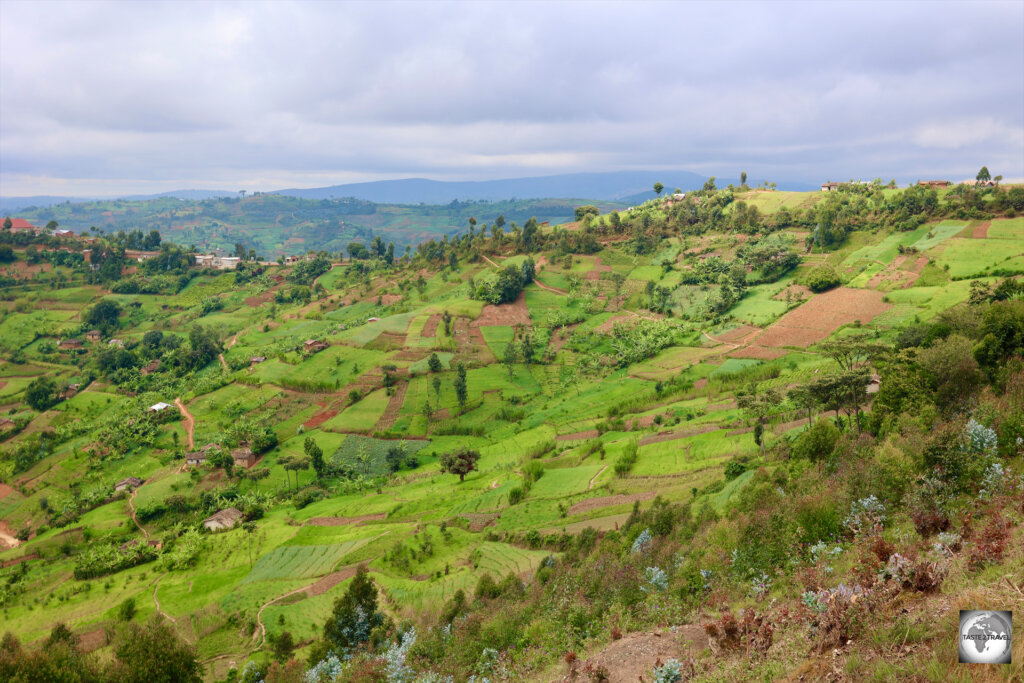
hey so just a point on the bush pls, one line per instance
(822, 278)
(817, 442)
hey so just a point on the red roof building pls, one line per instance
(20, 225)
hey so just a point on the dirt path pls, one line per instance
(131, 508)
(553, 290)
(188, 422)
(223, 363)
(488, 259)
(596, 476)
(234, 340)
(6, 537)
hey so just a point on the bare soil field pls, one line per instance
(387, 420)
(795, 291)
(607, 501)
(737, 333)
(757, 353)
(981, 230)
(430, 328)
(823, 315)
(599, 268)
(511, 314)
(672, 436)
(345, 521)
(631, 658)
(330, 581)
(579, 436)
(319, 419)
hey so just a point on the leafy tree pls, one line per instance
(283, 646)
(434, 363)
(436, 383)
(151, 340)
(658, 187)
(983, 176)
(316, 457)
(355, 615)
(822, 278)
(6, 253)
(461, 390)
(817, 442)
(126, 610)
(461, 461)
(153, 653)
(528, 349)
(587, 210)
(743, 178)
(510, 357)
(103, 316)
(41, 394)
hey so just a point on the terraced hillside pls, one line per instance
(661, 359)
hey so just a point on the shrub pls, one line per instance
(642, 543)
(817, 442)
(822, 278)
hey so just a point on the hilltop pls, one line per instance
(750, 434)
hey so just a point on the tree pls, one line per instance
(461, 461)
(436, 383)
(355, 614)
(658, 187)
(510, 357)
(153, 653)
(295, 464)
(983, 176)
(103, 316)
(528, 350)
(822, 278)
(434, 363)
(41, 394)
(283, 646)
(316, 457)
(461, 390)
(8, 223)
(6, 253)
(743, 178)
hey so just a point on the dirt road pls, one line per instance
(188, 422)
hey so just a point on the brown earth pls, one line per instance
(579, 436)
(478, 521)
(319, 419)
(390, 299)
(640, 422)
(607, 325)
(672, 436)
(595, 274)
(387, 420)
(18, 560)
(430, 328)
(187, 422)
(757, 353)
(5, 491)
(7, 538)
(330, 581)
(607, 501)
(511, 314)
(345, 521)
(560, 337)
(731, 403)
(3, 383)
(822, 315)
(738, 333)
(701, 383)
(92, 640)
(631, 659)
(981, 230)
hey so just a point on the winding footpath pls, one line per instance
(188, 422)
(131, 511)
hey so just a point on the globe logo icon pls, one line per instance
(985, 637)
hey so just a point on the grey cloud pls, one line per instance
(220, 93)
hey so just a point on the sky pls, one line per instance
(107, 98)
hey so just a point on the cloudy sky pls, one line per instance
(124, 97)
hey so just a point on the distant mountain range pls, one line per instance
(623, 186)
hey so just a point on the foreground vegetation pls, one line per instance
(737, 435)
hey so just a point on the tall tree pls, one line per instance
(983, 176)
(461, 389)
(461, 461)
(316, 457)
(355, 614)
(658, 187)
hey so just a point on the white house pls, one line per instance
(224, 519)
(159, 407)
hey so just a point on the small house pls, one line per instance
(195, 458)
(150, 367)
(70, 391)
(257, 359)
(63, 233)
(244, 457)
(224, 519)
(372, 320)
(314, 345)
(116, 342)
(6, 423)
(92, 336)
(874, 384)
(830, 187)
(129, 484)
(70, 344)
(159, 407)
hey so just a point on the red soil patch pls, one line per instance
(387, 420)
(92, 640)
(595, 274)
(672, 436)
(919, 264)
(260, 299)
(607, 501)
(981, 231)
(511, 314)
(560, 337)
(823, 315)
(390, 299)
(5, 490)
(478, 521)
(18, 560)
(430, 328)
(579, 436)
(344, 521)
(640, 422)
(319, 419)
(632, 658)
(757, 352)
(607, 325)
(701, 383)
(330, 581)
(731, 403)
(3, 383)
(738, 333)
